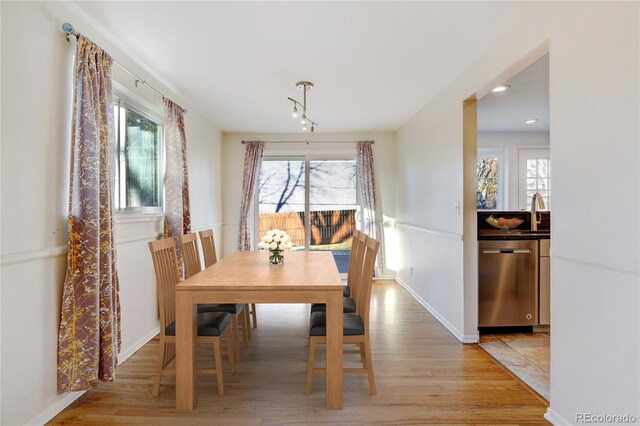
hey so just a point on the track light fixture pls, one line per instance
(304, 86)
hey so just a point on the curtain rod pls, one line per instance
(70, 31)
(308, 142)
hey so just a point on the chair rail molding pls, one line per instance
(196, 228)
(622, 267)
(432, 231)
(32, 255)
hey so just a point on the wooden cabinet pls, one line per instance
(544, 309)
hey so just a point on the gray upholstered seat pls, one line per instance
(209, 324)
(232, 308)
(348, 306)
(345, 291)
(352, 324)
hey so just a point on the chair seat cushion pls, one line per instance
(209, 324)
(232, 308)
(352, 324)
(348, 306)
(345, 291)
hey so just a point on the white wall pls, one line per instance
(36, 108)
(594, 87)
(511, 143)
(384, 159)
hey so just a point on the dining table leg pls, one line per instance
(186, 323)
(334, 350)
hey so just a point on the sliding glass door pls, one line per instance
(313, 199)
(281, 199)
(332, 208)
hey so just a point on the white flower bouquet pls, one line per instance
(276, 241)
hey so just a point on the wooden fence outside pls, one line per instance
(327, 226)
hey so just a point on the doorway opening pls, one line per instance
(507, 142)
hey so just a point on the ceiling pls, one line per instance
(374, 64)
(527, 98)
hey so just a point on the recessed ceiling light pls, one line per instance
(531, 121)
(500, 89)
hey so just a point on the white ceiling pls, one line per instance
(374, 64)
(527, 98)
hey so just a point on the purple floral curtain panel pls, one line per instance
(371, 216)
(177, 217)
(89, 335)
(252, 161)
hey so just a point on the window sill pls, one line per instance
(124, 217)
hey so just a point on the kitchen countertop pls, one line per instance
(513, 234)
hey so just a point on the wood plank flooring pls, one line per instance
(424, 376)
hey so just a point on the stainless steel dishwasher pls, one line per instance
(508, 283)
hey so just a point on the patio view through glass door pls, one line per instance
(314, 201)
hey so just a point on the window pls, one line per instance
(138, 175)
(489, 169)
(534, 176)
(313, 200)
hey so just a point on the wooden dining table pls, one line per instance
(248, 277)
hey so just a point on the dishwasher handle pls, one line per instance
(507, 251)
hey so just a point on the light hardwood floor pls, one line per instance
(424, 376)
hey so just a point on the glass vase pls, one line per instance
(276, 257)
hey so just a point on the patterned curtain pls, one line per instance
(177, 217)
(371, 216)
(252, 161)
(89, 335)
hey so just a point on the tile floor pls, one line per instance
(524, 354)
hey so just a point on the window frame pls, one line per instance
(524, 155)
(120, 99)
(307, 158)
(503, 168)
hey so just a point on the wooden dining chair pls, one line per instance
(192, 265)
(346, 292)
(210, 258)
(211, 325)
(358, 246)
(355, 326)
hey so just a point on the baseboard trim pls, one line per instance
(124, 355)
(555, 419)
(450, 327)
(384, 278)
(56, 408)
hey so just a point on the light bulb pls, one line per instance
(500, 89)
(304, 120)
(312, 128)
(304, 127)
(294, 114)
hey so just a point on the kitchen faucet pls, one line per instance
(534, 212)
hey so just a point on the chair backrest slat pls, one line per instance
(208, 247)
(190, 254)
(355, 246)
(363, 301)
(165, 265)
(361, 246)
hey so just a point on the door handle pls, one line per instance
(506, 251)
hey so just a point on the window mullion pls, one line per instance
(307, 210)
